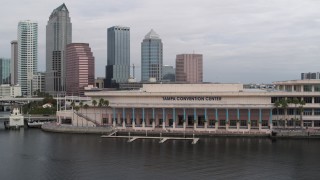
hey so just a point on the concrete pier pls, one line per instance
(162, 139)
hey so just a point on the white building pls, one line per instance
(27, 54)
(38, 82)
(208, 107)
(7, 90)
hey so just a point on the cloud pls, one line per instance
(242, 41)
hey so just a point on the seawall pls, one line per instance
(54, 127)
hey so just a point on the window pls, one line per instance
(307, 112)
(307, 88)
(243, 123)
(290, 111)
(317, 87)
(307, 99)
(265, 123)
(297, 88)
(316, 112)
(316, 123)
(316, 99)
(222, 122)
(233, 123)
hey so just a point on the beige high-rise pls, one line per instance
(189, 68)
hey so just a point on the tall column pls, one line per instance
(133, 119)
(227, 119)
(217, 120)
(260, 119)
(238, 119)
(163, 118)
(270, 121)
(143, 119)
(249, 119)
(114, 117)
(153, 119)
(205, 118)
(123, 118)
(184, 118)
(195, 118)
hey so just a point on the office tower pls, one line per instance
(151, 57)
(38, 83)
(80, 68)
(27, 55)
(58, 35)
(189, 68)
(14, 63)
(4, 71)
(118, 62)
(168, 73)
(310, 75)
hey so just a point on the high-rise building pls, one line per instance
(310, 75)
(151, 57)
(14, 63)
(80, 68)
(189, 68)
(4, 71)
(38, 83)
(118, 62)
(27, 55)
(58, 35)
(168, 73)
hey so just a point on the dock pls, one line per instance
(161, 139)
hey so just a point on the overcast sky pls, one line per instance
(247, 41)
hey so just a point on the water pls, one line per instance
(34, 154)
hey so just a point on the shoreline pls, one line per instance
(275, 134)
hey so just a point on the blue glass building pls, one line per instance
(118, 62)
(151, 57)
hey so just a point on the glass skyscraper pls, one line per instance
(58, 35)
(151, 57)
(4, 71)
(118, 58)
(27, 54)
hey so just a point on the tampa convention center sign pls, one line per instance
(191, 98)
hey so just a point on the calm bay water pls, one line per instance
(34, 154)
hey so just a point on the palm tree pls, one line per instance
(277, 105)
(106, 104)
(295, 101)
(301, 104)
(72, 104)
(94, 103)
(100, 104)
(284, 105)
(86, 107)
(77, 109)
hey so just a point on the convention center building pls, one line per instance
(207, 107)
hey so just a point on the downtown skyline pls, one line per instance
(274, 40)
